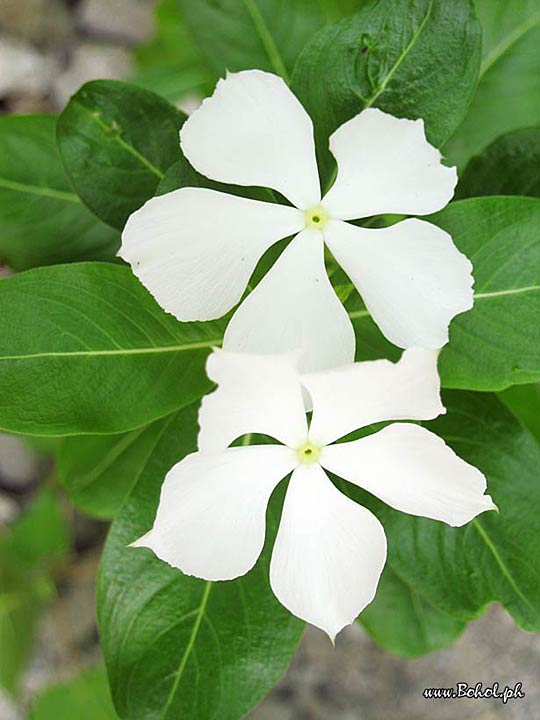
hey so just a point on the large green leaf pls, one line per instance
(243, 34)
(116, 141)
(494, 558)
(497, 343)
(169, 63)
(84, 348)
(28, 551)
(99, 471)
(509, 166)
(176, 646)
(508, 92)
(411, 58)
(85, 697)
(42, 221)
(404, 622)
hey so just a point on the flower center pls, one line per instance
(308, 453)
(316, 217)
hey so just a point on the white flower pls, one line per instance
(329, 551)
(195, 249)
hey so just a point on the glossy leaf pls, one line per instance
(524, 402)
(507, 97)
(85, 697)
(42, 221)
(176, 646)
(116, 141)
(509, 166)
(264, 34)
(497, 343)
(98, 472)
(404, 622)
(411, 58)
(85, 349)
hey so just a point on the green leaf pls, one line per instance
(170, 63)
(509, 166)
(509, 82)
(497, 343)
(243, 34)
(42, 221)
(98, 472)
(28, 551)
(85, 349)
(116, 141)
(495, 557)
(411, 58)
(404, 622)
(176, 646)
(524, 402)
(85, 697)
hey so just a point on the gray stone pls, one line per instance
(19, 466)
(43, 22)
(23, 69)
(90, 61)
(126, 20)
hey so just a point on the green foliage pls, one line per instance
(411, 59)
(197, 649)
(239, 35)
(98, 472)
(117, 141)
(42, 221)
(100, 356)
(497, 343)
(28, 553)
(85, 697)
(509, 166)
(524, 402)
(170, 63)
(509, 81)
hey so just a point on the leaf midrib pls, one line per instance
(41, 190)
(266, 39)
(121, 351)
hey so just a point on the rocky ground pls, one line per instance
(48, 48)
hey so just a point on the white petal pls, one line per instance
(411, 276)
(195, 249)
(386, 165)
(211, 516)
(329, 553)
(253, 131)
(414, 471)
(294, 307)
(256, 394)
(351, 397)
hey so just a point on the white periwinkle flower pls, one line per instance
(329, 551)
(195, 249)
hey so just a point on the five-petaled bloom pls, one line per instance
(195, 249)
(329, 551)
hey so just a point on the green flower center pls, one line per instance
(316, 217)
(308, 453)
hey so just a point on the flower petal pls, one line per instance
(351, 397)
(386, 165)
(195, 249)
(256, 394)
(329, 553)
(412, 470)
(212, 511)
(294, 307)
(411, 276)
(253, 131)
